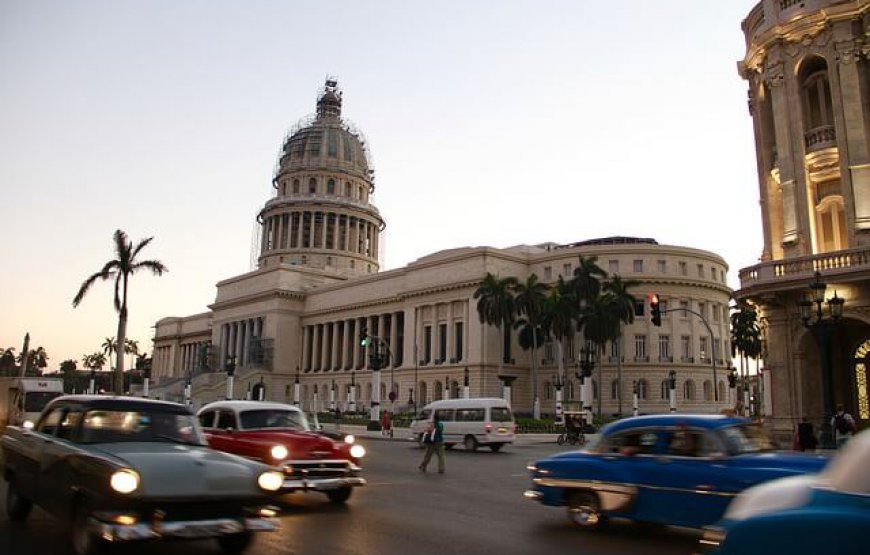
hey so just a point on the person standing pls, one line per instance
(433, 439)
(386, 424)
(843, 425)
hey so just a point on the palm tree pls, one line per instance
(529, 299)
(108, 348)
(745, 338)
(623, 307)
(120, 269)
(131, 347)
(587, 279)
(600, 323)
(560, 314)
(8, 366)
(34, 362)
(495, 307)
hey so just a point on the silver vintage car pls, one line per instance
(122, 469)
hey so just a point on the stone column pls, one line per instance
(334, 363)
(315, 350)
(324, 347)
(306, 350)
(394, 337)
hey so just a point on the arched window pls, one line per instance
(708, 390)
(296, 186)
(642, 387)
(689, 390)
(330, 187)
(438, 391)
(569, 390)
(722, 396)
(383, 391)
(830, 218)
(312, 185)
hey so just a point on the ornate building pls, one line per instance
(809, 94)
(297, 318)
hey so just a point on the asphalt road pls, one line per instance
(476, 507)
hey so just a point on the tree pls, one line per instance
(558, 318)
(108, 347)
(600, 322)
(35, 362)
(119, 269)
(586, 282)
(529, 299)
(8, 366)
(68, 373)
(131, 347)
(623, 306)
(745, 338)
(496, 307)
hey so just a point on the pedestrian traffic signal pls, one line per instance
(655, 309)
(364, 339)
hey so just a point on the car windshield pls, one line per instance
(747, 438)
(273, 418)
(113, 426)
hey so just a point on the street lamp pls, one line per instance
(296, 387)
(231, 372)
(559, 383)
(732, 383)
(466, 389)
(822, 328)
(587, 365)
(634, 398)
(672, 389)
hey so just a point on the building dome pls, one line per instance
(321, 215)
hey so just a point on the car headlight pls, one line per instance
(279, 452)
(270, 480)
(349, 439)
(27, 424)
(357, 451)
(124, 481)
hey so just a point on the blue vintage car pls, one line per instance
(675, 469)
(811, 514)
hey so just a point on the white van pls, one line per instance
(471, 422)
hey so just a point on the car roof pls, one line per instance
(248, 405)
(112, 402)
(707, 421)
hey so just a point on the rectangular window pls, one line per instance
(427, 344)
(700, 270)
(638, 266)
(703, 350)
(548, 273)
(613, 266)
(717, 349)
(566, 270)
(686, 348)
(639, 305)
(457, 341)
(442, 342)
(665, 347)
(713, 272)
(663, 266)
(684, 306)
(640, 347)
(469, 415)
(716, 312)
(684, 269)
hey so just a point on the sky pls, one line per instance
(490, 123)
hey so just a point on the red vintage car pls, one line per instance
(279, 435)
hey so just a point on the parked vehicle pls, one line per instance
(122, 469)
(22, 399)
(677, 469)
(827, 512)
(470, 422)
(280, 435)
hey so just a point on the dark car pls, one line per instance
(675, 469)
(120, 469)
(280, 435)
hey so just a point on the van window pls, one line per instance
(500, 414)
(425, 414)
(469, 415)
(444, 415)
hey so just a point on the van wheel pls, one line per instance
(496, 447)
(584, 510)
(17, 507)
(470, 443)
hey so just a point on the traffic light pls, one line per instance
(655, 310)
(364, 339)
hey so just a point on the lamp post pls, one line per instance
(187, 389)
(231, 372)
(672, 389)
(634, 398)
(466, 388)
(559, 383)
(446, 387)
(332, 396)
(296, 387)
(352, 401)
(732, 384)
(587, 365)
(822, 328)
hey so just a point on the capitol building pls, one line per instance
(289, 329)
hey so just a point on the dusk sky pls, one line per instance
(490, 123)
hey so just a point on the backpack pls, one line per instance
(842, 425)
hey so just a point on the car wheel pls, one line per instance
(339, 496)
(470, 443)
(84, 540)
(235, 543)
(17, 507)
(496, 447)
(584, 510)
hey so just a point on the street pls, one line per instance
(476, 507)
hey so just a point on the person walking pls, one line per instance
(433, 439)
(843, 425)
(806, 436)
(386, 424)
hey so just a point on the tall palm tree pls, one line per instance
(34, 362)
(623, 306)
(560, 314)
(587, 279)
(495, 307)
(600, 324)
(108, 347)
(119, 269)
(745, 338)
(131, 347)
(529, 299)
(8, 366)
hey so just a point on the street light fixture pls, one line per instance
(466, 391)
(587, 365)
(559, 383)
(822, 328)
(672, 389)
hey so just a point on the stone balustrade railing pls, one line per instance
(803, 267)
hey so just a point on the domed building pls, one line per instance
(807, 68)
(290, 329)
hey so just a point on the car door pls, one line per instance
(221, 436)
(28, 471)
(54, 481)
(629, 458)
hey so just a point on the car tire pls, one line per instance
(83, 540)
(470, 443)
(496, 447)
(18, 507)
(584, 510)
(235, 544)
(340, 495)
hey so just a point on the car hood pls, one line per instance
(301, 444)
(175, 470)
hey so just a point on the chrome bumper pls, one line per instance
(321, 484)
(182, 528)
(533, 495)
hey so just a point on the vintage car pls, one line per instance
(279, 434)
(827, 512)
(120, 469)
(675, 469)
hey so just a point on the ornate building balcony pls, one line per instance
(776, 275)
(820, 137)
